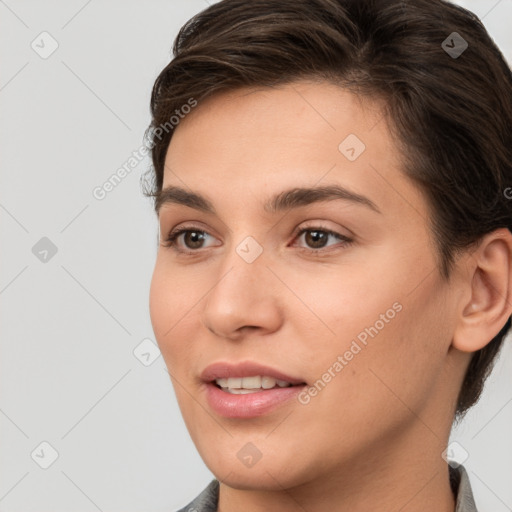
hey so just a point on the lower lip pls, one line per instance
(248, 405)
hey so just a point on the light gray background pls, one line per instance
(68, 374)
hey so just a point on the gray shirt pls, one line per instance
(208, 499)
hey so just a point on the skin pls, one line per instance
(372, 439)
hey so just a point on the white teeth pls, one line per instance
(243, 385)
(251, 382)
(268, 382)
(235, 382)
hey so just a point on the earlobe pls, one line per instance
(490, 301)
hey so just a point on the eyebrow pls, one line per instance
(288, 199)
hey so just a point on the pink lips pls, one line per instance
(252, 404)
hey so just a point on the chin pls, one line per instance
(270, 473)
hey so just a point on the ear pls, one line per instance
(489, 282)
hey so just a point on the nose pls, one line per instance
(245, 298)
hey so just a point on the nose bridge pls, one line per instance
(244, 266)
(243, 295)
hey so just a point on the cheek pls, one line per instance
(391, 334)
(161, 297)
(171, 300)
(173, 293)
(341, 303)
(401, 362)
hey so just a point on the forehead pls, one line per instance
(252, 142)
(294, 117)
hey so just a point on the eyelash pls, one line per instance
(171, 240)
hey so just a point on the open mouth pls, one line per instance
(248, 389)
(252, 384)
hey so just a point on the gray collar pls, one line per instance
(461, 487)
(208, 500)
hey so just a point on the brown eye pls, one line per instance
(188, 240)
(193, 239)
(316, 239)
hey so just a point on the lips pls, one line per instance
(225, 370)
(257, 402)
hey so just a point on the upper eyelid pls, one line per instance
(185, 228)
(297, 230)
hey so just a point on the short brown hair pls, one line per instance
(451, 114)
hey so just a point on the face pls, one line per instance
(335, 291)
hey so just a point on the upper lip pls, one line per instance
(225, 370)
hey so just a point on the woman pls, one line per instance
(333, 281)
